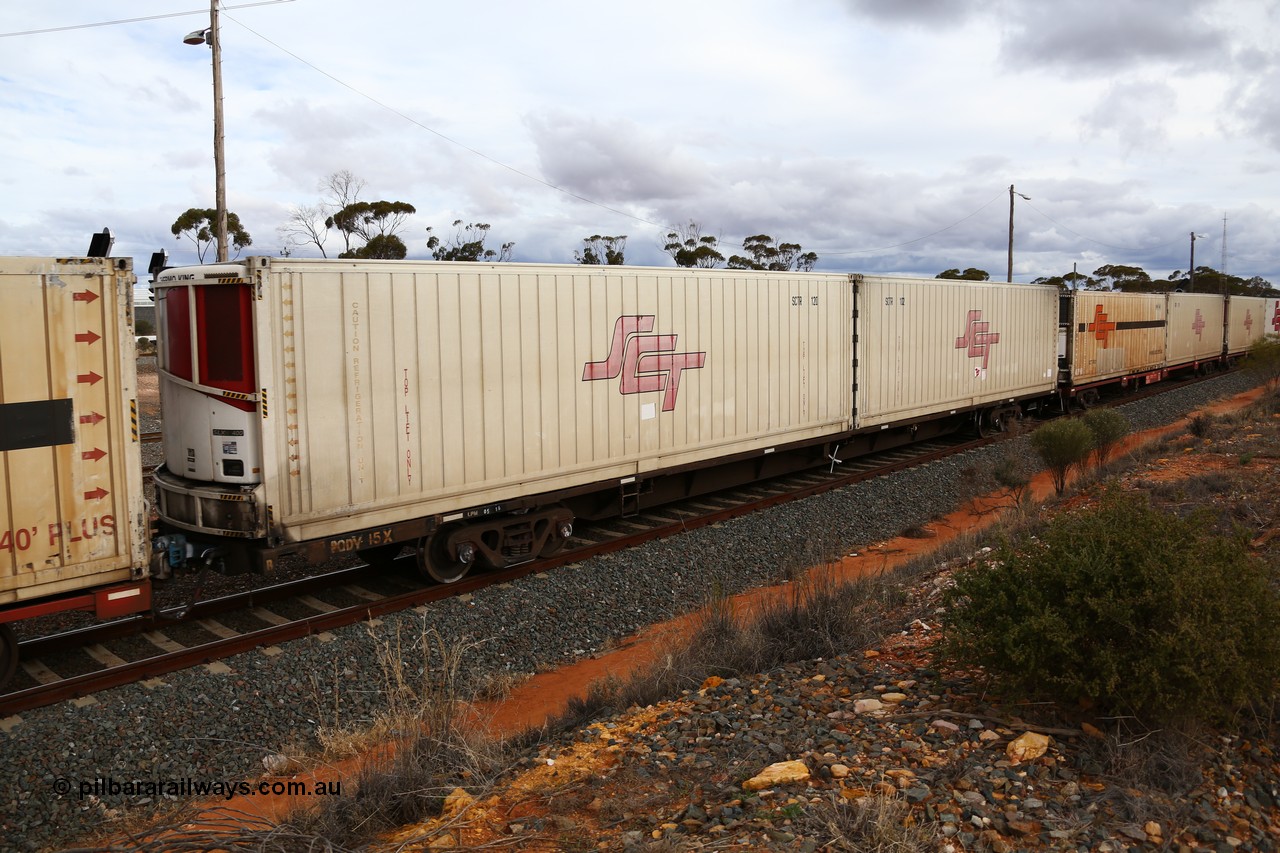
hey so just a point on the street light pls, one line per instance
(1191, 285)
(1012, 193)
(211, 37)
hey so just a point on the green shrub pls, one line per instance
(1264, 359)
(1011, 475)
(1062, 444)
(1201, 425)
(1127, 607)
(1107, 427)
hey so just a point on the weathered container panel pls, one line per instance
(1196, 327)
(1116, 334)
(416, 388)
(71, 510)
(1249, 320)
(930, 345)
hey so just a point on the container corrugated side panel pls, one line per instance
(71, 510)
(1117, 334)
(1195, 327)
(417, 388)
(930, 345)
(1248, 321)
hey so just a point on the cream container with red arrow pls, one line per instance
(73, 519)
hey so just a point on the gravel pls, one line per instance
(206, 727)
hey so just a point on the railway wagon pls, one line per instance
(1196, 329)
(320, 407)
(1109, 337)
(1249, 320)
(73, 521)
(931, 348)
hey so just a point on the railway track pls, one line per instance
(77, 663)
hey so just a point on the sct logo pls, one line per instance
(978, 339)
(1198, 324)
(646, 362)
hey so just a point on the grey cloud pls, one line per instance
(612, 160)
(1255, 109)
(1101, 36)
(930, 14)
(1088, 37)
(1134, 112)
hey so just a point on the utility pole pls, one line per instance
(219, 157)
(213, 37)
(1191, 286)
(1012, 193)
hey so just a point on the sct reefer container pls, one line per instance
(931, 346)
(1196, 328)
(1249, 320)
(304, 400)
(72, 512)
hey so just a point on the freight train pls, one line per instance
(472, 412)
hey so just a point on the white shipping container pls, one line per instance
(926, 346)
(1196, 327)
(395, 390)
(1115, 334)
(72, 513)
(1249, 320)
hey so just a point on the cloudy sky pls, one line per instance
(882, 134)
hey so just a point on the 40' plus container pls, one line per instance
(73, 525)
(326, 400)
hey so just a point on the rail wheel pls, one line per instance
(380, 556)
(8, 654)
(1088, 398)
(990, 422)
(442, 562)
(556, 541)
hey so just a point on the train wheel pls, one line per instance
(381, 556)
(435, 560)
(562, 529)
(990, 422)
(8, 654)
(1088, 398)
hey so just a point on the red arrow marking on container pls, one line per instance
(92, 418)
(87, 338)
(84, 296)
(96, 494)
(89, 378)
(95, 454)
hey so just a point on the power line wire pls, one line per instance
(137, 20)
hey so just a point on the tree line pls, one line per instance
(1133, 279)
(372, 229)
